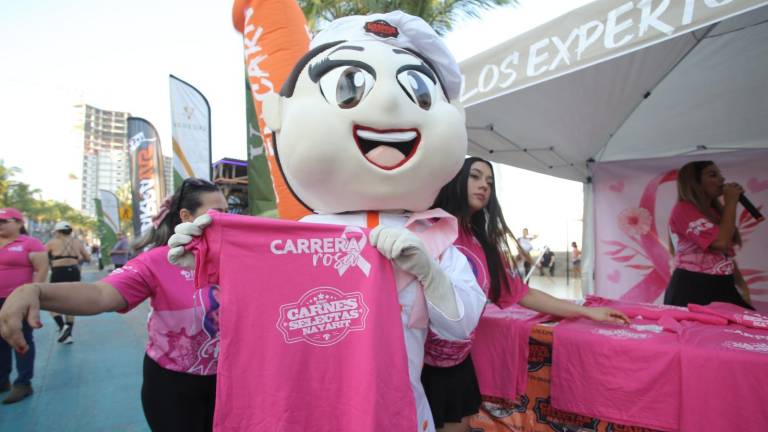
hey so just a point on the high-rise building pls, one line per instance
(106, 164)
(168, 173)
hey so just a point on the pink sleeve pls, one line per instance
(687, 221)
(517, 290)
(35, 245)
(134, 281)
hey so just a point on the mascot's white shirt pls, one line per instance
(470, 301)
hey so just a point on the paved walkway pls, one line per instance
(93, 384)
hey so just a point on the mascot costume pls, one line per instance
(367, 130)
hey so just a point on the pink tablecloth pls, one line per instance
(500, 350)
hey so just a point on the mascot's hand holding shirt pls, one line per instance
(368, 128)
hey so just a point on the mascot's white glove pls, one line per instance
(185, 232)
(409, 254)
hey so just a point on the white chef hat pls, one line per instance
(399, 29)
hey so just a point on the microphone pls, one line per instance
(751, 208)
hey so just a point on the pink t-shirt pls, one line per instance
(471, 248)
(311, 330)
(624, 374)
(443, 353)
(724, 378)
(183, 325)
(695, 233)
(500, 350)
(15, 267)
(733, 313)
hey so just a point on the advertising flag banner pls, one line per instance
(147, 179)
(107, 212)
(191, 132)
(274, 38)
(261, 194)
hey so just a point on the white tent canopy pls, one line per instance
(642, 88)
(621, 80)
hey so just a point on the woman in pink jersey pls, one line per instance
(178, 392)
(704, 231)
(453, 391)
(22, 260)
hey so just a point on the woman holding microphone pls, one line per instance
(703, 230)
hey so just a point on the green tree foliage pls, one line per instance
(440, 14)
(22, 196)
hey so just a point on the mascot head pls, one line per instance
(369, 119)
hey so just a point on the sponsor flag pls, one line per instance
(107, 213)
(191, 132)
(274, 39)
(261, 194)
(147, 180)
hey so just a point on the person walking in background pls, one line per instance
(120, 251)
(179, 387)
(525, 247)
(576, 260)
(96, 252)
(704, 230)
(449, 376)
(65, 254)
(22, 260)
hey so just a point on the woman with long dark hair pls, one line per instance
(178, 392)
(705, 233)
(453, 391)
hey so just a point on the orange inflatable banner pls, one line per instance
(275, 37)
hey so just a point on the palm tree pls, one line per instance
(5, 182)
(440, 14)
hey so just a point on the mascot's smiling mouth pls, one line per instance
(387, 149)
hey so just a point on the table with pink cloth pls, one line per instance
(672, 369)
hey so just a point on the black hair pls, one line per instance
(188, 196)
(488, 226)
(65, 231)
(689, 188)
(290, 83)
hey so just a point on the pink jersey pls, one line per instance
(733, 314)
(183, 324)
(311, 331)
(724, 379)
(500, 350)
(15, 267)
(694, 233)
(624, 374)
(658, 313)
(443, 353)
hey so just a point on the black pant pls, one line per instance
(527, 267)
(65, 274)
(176, 401)
(25, 363)
(700, 288)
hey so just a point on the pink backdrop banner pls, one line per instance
(633, 201)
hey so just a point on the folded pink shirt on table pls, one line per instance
(500, 350)
(724, 378)
(733, 313)
(624, 374)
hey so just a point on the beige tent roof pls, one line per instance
(622, 80)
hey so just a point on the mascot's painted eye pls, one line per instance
(419, 88)
(346, 86)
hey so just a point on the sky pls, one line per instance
(117, 55)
